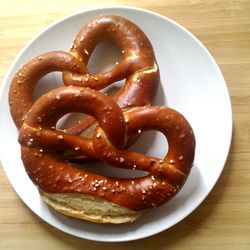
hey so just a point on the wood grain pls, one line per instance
(223, 219)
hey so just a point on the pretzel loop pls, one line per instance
(42, 118)
(178, 161)
(26, 78)
(135, 46)
(138, 67)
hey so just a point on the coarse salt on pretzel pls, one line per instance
(81, 194)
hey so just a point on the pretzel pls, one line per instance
(138, 66)
(53, 175)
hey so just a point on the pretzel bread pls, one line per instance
(55, 177)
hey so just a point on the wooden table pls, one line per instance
(223, 219)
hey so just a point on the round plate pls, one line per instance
(191, 83)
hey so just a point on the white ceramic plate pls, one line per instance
(191, 82)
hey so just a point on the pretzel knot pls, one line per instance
(52, 174)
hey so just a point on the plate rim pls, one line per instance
(179, 26)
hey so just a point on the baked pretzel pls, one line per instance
(54, 176)
(138, 66)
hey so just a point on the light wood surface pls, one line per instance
(223, 219)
